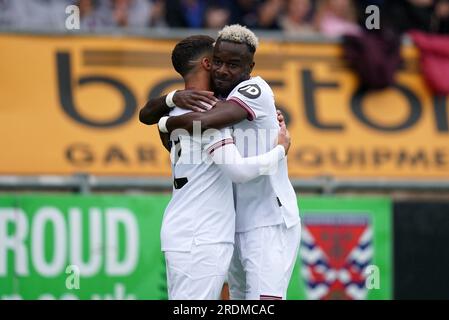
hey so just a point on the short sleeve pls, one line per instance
(255, 96)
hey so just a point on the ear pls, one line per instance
(206, 64)
(251, 66)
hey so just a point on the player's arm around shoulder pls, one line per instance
(193, 100)
(246, 101)
(223, 114)
(154, 110)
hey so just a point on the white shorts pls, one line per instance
(198, 274)
(263, 262)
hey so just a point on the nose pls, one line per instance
(222, 71)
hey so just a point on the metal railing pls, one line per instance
(85, 184)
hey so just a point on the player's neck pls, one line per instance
(197, 82)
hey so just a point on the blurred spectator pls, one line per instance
(268, 14)
(133, 13)
(297, 17)
(186, 13)
(440, 18)
(410, 14)
(157, 15)
(217, 16)
(91, 15)
(336, 18)
(245, 12)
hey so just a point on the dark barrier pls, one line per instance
(421, 253)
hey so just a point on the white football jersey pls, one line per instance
(269, 199)
(201, 210)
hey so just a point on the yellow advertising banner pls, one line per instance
(70, 104)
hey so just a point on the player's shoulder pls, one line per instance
(253, 88)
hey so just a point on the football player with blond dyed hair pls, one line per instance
(267, 217)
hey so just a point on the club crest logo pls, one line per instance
(335, 251)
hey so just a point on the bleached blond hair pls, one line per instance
(239, 34)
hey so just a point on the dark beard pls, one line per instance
(223, 93)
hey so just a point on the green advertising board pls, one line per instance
(113, 241)
(108, 247)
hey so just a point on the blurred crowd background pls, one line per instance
(332, 18)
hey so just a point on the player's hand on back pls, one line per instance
(280, 116)
(194, 100)
(283, 136)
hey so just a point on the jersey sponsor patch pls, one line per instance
(251, 91)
